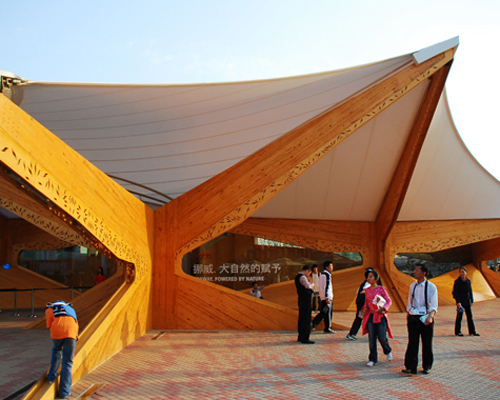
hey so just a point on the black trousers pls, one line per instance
(304, 324)
(470, 321)
(356, 324)
(417, 330)
(325, 316)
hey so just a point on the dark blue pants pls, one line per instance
(316, 303)
(63, 349)
(377, 331)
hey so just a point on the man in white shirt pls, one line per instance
(326, 295)
(422, 307)
(256, 290)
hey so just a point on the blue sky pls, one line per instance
(153, 41)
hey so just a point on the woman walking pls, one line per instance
(360, 303)
(375, 321)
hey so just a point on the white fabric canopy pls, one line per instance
(448, 182)
(171, 138)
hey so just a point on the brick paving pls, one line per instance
(24, 355)
(251, 365)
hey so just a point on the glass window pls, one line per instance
(74, 266)
(238, 261)
(439, 262)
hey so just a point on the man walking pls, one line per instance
(462, 293)
(315, 280)
(326, 295)
(422, 307)
(304, 291)
(63, 324)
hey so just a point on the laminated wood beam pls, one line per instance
(115, 221)
(231, 197)
(326, 236)
(432, 236)
(398, 187)
(487, 250)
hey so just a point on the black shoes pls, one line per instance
(425, 371)
(459, 334)
(475, 334)
(409, 371)
(307, 342)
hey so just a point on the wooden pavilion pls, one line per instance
(362, 160)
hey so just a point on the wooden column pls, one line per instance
(394, 198)
(231, 197)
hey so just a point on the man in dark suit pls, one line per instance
(305, 292)
(462, 293)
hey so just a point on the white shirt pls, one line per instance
(256, 292)
(416, 305)
(322, 286)
(305, 282)
(315, 281)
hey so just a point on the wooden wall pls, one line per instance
(488, 250)
(432, 236)
(230, 198)
(61, 189)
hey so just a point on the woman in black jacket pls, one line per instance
(360, 302)
(462, 293)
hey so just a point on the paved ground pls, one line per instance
(271, 365)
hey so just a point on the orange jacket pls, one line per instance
(61, 327)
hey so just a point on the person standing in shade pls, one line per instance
(256, 290)
(315, 280)
(360, 302)
(326, 295)
(304, 291)
(375, 321)
(462, 293)
(422, 307)
(63, 324)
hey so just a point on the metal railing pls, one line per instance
(32, 290)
